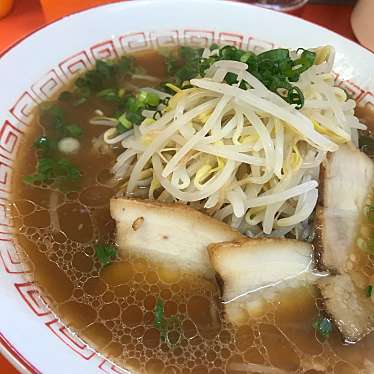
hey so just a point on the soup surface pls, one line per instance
(116, 307)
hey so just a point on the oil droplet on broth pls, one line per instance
(279, 349)
(98, 335)
(82, 262)
(203, 312)
(58, 291)
(289, 319)
(39, 219)
(118, 273)
(96, 196)
(109, 311)
(95, 286)
(24, 207)
(77, 315)
(75, 221)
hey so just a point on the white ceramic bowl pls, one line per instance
(37, 67)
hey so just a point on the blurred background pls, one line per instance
(55, 8)
(18, 18)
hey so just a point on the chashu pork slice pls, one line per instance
(351, 309)
(346, 181)
(169, 233)
(253, 272)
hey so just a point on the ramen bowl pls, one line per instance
(32, 336)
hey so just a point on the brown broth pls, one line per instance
(112, 308)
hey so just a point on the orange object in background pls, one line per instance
(5, 7)
(55, 9)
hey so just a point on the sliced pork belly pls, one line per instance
(351, 309)
(173, 233)
(346, 182)
(255, 271)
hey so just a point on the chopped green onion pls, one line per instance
(133, 105)
(274, 55)
(159, 321)
(305, 61)
(74, 131)
(44, 145)
(120, 129)
(108, 94)
(54, 117)
(105, 253)
(53, 110)
(369, 290)
(148, 98)
(50, 170)
(295, 96)
(135, 118)
(231, 78)
(274, 68)
(65, 96)
(164, 325)
(323, 327)
(153, 99)
(103, 80)
(366, 144)
(82, 98)
(50, 167)
(124, 122)
(126, 65)
(142, 97)
(191, 59)
(245, 57)
(171, 64)
(227, 52)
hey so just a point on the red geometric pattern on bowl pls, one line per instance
(33, 298)
(70, 339)
(22, 109)
(46, 87)
(165, 39)
(258, 45)
(352, 89)
(11, 258)
(105, 50)
(199, 38)
(231, 39)
(367, 99)
(135, 41)
(9, 138)
(6, 174)
(108, 367)
(75, 65)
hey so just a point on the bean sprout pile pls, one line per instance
(243, 155)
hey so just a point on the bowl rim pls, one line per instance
(232, 2)
(11, 354)
(9, 351)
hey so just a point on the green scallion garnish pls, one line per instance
(369, 290)
(274, 68)
(165, 325)
(105, 253)
(323, 327)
